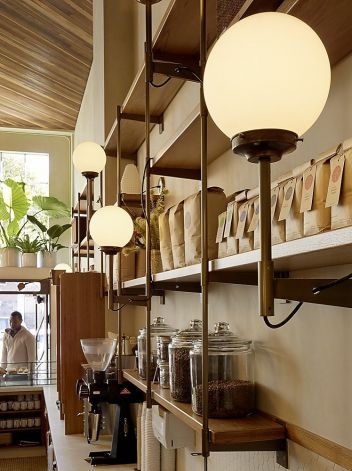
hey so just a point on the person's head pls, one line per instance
(15, 320)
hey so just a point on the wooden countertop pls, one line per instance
(71, 450)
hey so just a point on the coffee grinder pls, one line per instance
(100, 389)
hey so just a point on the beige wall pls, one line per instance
(302, 370)
(59, 149)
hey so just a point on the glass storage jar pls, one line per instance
(162, 347)
(164, 375)
(230, 380)
(158, 328)
(180, 372)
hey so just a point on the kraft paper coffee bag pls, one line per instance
(127, 267)
(192, 224)
(177, 236)
(316, 217)
(340, 187)
(220, 239)
(234, 201)
(165, 242)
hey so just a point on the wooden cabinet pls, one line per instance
(82, 315)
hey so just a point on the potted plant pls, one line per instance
(50, 243)
(14, 206)
(29, 249)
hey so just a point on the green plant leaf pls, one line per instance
(51, 206)
(12, 229)
(4, 214)
(56, 231)
(19, 203)
(36, 222)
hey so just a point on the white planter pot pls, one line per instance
(29, 260)
(10, 257)
(49, 259)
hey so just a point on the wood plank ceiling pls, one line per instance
(46, 49)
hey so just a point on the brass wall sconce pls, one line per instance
(266, 82)
(111, 228)
(89, 158)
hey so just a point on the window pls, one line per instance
(31, 168)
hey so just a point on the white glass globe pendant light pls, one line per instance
(111, 228)
(89, 158)
(266, 82)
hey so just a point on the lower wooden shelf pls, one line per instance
(223, 432)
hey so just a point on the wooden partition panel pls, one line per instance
(82, 316)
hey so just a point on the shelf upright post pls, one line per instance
(148, 287)
(118, 255)
(79, 231)
(204, 232)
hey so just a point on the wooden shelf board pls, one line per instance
(24, 273)
(185, 274)
(330, 20)
(183, 150)
(14, 412)
(19, 429)
(254, 428)
(321, 250)
(135, 283)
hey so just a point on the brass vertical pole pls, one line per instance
(148, 79)
(111, 287)
(79, 232)
(102, 284)
(118, 255)
(90, 182)
(204, 233)
(265, 266)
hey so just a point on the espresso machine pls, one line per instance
(100, 387)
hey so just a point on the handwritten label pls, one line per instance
(289, 192)
(308, 189)
(337, 165)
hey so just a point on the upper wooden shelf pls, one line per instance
(322, 250)
(24, 273)
(251, 429)
(183, 149)
(331, 20)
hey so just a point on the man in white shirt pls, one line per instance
(18, 345)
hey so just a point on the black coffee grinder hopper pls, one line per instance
(123, 394)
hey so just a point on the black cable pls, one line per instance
(318, 289)
(179, 68)
(119, 308)
(156, 85)
(289, 317)
(142, 191)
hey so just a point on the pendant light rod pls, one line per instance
(119, 282)
(204, 233)
(148, 291)
(90, 182)
(265, 265)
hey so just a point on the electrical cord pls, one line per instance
(119, 308)
(142, 191)
(320, 288)
(159, 85)
(179, 68)
(289, 317)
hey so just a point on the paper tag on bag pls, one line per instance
(289, 192)
(221, 226)
(229, 216)
(308, 189)
(242, 218)
(337, 164)
(274, 196)
(255, 219)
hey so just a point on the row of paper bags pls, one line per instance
(180, 229)
(312, 198)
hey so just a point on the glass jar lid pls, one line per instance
(186, 337)
(221, 328)
(225, 343)
(159, 328)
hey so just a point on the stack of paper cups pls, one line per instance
(152, 446)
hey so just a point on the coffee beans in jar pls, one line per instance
(179, 360)
(230, 377)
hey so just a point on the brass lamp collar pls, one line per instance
(90, 175)
(268, 143)
(110, 250)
